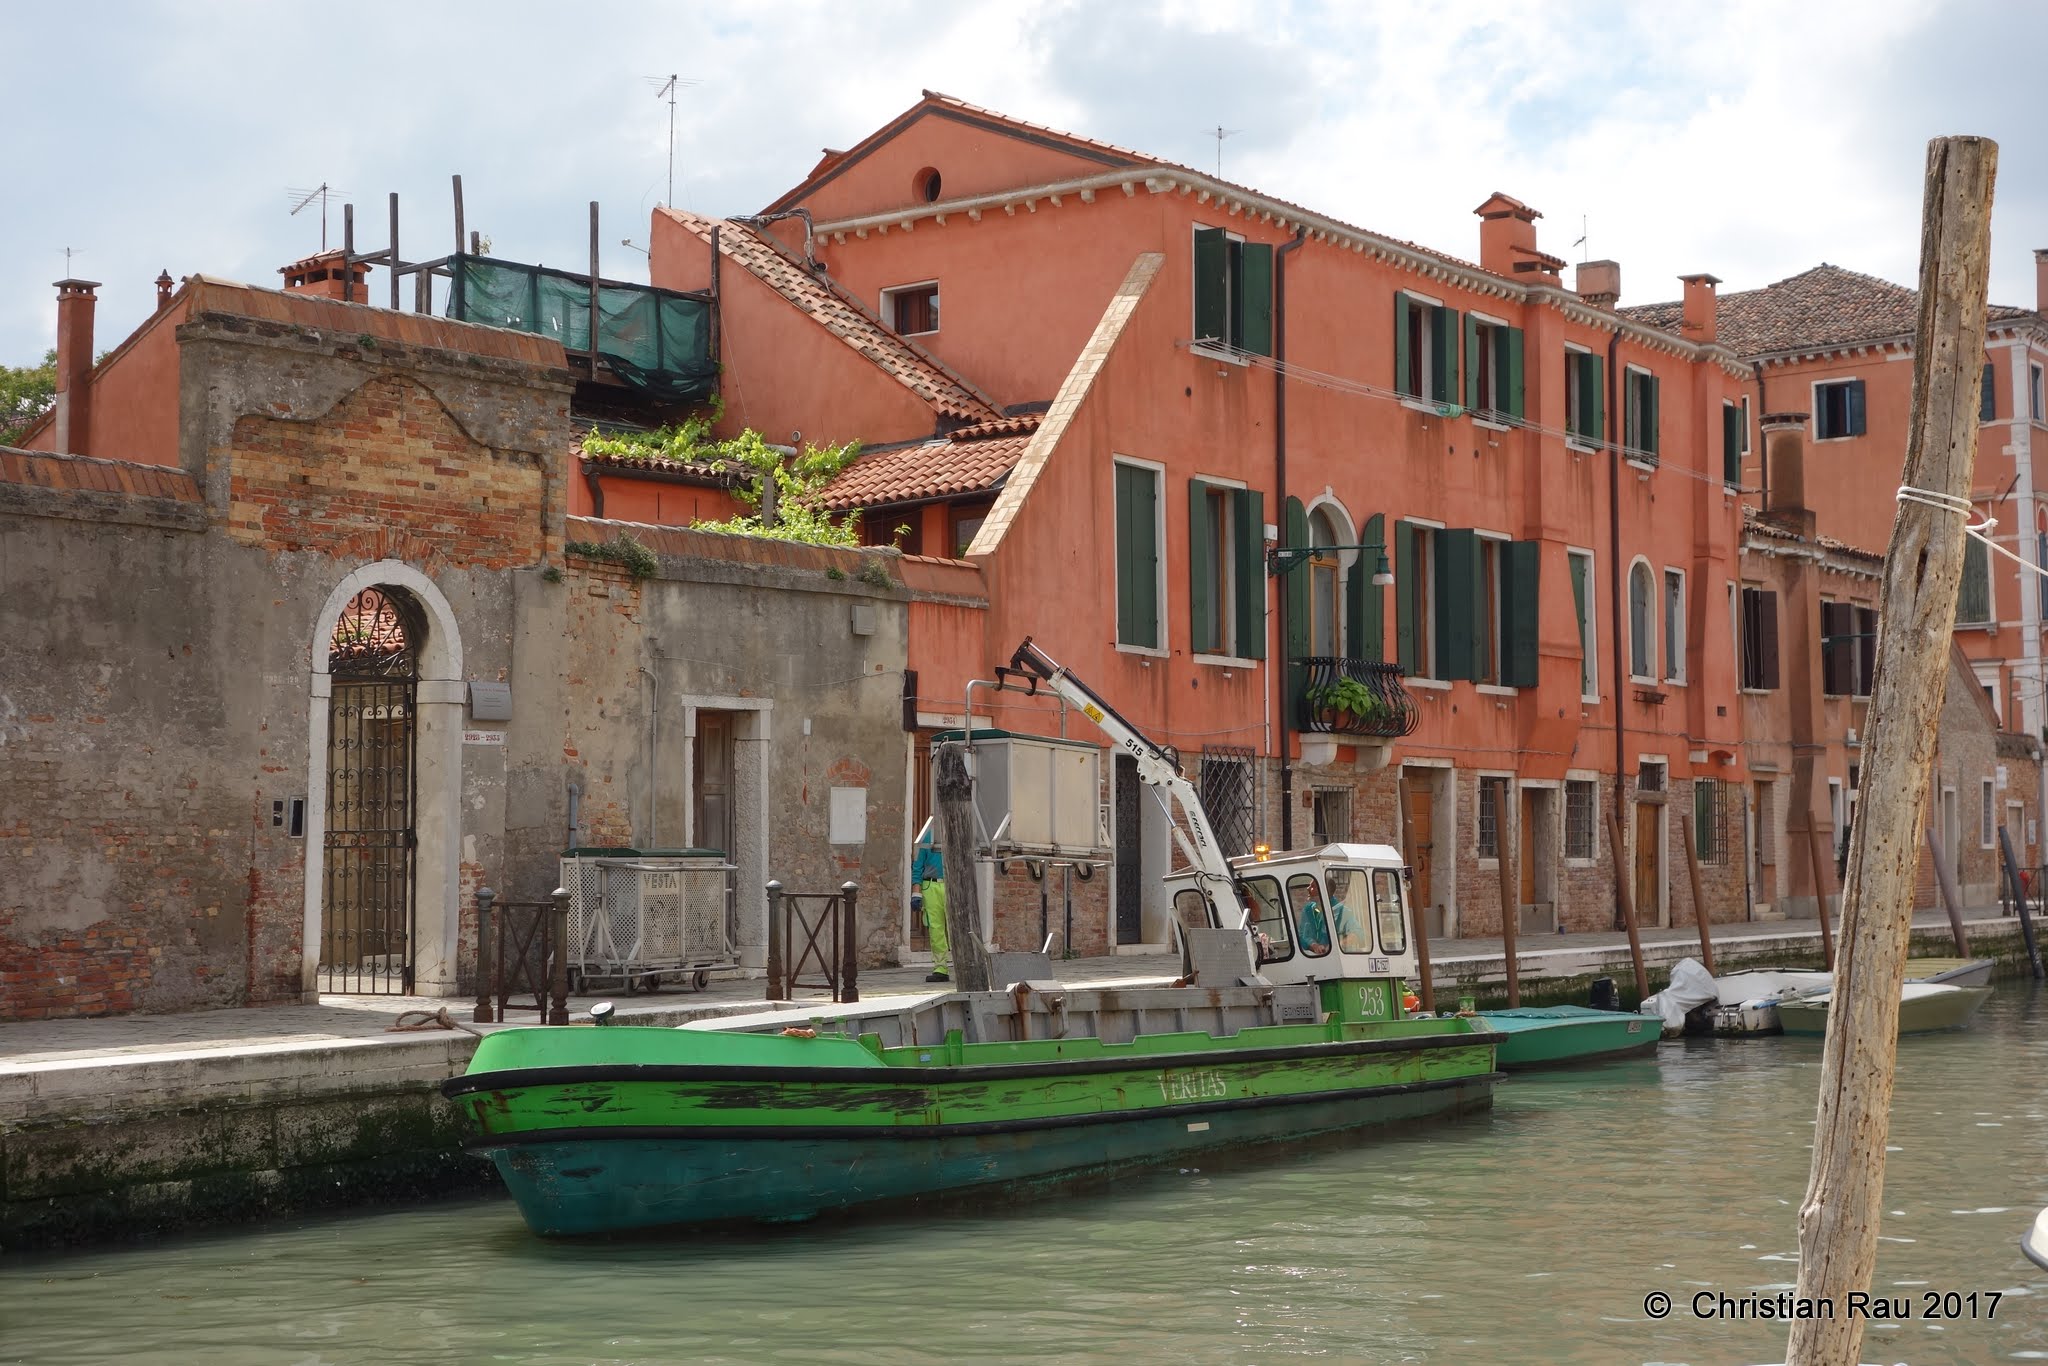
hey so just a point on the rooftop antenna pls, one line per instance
(69, 252)
(321, 192)
(668, 86)
(1585, 236)
(1219, 132)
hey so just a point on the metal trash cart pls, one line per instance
(642, 917)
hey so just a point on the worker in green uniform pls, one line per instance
(928, 872)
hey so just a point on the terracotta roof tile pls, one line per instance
(700, 469)
(934, 469)
(93, 475)
(1823, 307)
(842, 315)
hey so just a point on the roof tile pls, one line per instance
(934, 469)
(1823, 307)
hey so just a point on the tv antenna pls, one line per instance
(668, 86)
(1219, 132)
(70, 252)
(1585, 236)
(322, 192)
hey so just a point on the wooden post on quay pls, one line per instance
(1418, 916)
(1951, 895)
(1627, 894)
(777, 929)
(1838, 1220)
(1510, 898)
(558, 961)
(486, 967)
(849, 943)
(955, 794)
(1820, 897)
(1699, 901)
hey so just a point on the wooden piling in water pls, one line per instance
(1510, 900)
(1699, 902)
(1628, 907)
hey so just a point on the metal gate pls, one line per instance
(1130, 862)
(366, 919)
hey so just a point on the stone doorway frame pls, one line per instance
(437, 815)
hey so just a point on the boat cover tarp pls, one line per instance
(1692, 986)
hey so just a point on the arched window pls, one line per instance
(1642, 622)
(1326, 584)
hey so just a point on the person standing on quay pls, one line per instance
(928, 871)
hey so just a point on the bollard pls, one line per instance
(849, 943)
(486, 970)
(558, 960)
(775, 983)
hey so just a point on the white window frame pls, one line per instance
(1222, 350)
(1635, 454)
(1330, 506)
(1493, 337)
(1572, 438)
(1165, 647)
(1425, 675)
(1226, 576)
(1564, 816)
(1674, 668)
(1496, 644)
(2036, 398)
(1589, 643)
(1656, 608)
(1506, 778)
(1422, 367)
(1814, 405)
(889, 305)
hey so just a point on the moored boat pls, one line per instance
(1955, 972)
(1923, 1007)
(1554, 1036)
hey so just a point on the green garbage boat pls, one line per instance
(1560, 1036)
(607, 1130)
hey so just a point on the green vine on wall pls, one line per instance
(624, 551)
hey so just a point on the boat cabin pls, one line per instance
(1335, 913)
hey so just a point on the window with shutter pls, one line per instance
(1460, 604)
(1443, 375)
(1865, 619)
(1493, 369)
(1415, 599)
(1581, 562)
(2034, 389)
(1521, 565)
(1584, 403)
(1837, 648)
(1987, 404)
(1731, 444)
(1138, 534)
(1640, 416)
(1248, 545)
(1759, 639)
(1838, 410)
(1233, 292)
(1642, 628)
(1973, 599)
(1674, 626)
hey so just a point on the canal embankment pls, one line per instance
(137, 1125)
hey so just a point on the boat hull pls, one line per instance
(1919, 1012)
(580, 1183)
(1563, 1035)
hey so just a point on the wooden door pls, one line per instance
(712, 782)
(1525, 847)
(1649, 848)
(1419, 840)
(1130, 854)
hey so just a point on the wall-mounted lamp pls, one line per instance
(1282, 560)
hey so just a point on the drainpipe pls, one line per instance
(715, 320)
(575, 810)
(1614, 459)
(1763, 450)
(596, 483)
(1285, 672)
(653, 751)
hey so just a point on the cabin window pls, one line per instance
(1347, 899)
(1193, 909)
(1389, 903)
(1269, 919)
(1311, 920)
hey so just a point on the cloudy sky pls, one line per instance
(1748, 139)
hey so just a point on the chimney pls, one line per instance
(1702, 308)
(1785, 470)
(75, 300)
(2041, 281)
(163, 290)
(1507, 241)
(325, 275)
(1599, 283)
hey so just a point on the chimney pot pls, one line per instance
(1785, 468)
(2041, 281)
(1701, 322)
(1599, 283)
(164, 285)
(328, 275)
(73, 422)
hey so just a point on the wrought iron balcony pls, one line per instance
(1361, 697)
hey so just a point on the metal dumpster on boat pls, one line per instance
(638, 917)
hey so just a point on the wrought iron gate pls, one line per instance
(366, 920)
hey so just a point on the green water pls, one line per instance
(1529, 1235)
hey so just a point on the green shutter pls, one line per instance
(1407, 580)
(1212, 296)
(1294, 532)
(1404, 364)
(1137, 557)
(1364, 602)
(1987, 408)
(1472, 395)
(1580, 567)
(1201, 572)
(1511, 372)
(1595, 388)
(1248, 511)
(1253, 299)
(1520, 599)
(1650, 416)
(1443, 384)
(1731, 444)
(1973, 599)
(1460, 605)
(1855, 408)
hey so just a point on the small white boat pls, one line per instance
(1923, 1008)
(1747, 1002)
(2034, 1242)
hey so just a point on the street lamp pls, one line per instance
(1284, 560)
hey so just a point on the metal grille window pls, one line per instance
(1650, 777)
(1492, 797)
(1332, 815)
(1226, 784)
(1710, 819)
(1579, 795)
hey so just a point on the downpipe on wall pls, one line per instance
(653, 752)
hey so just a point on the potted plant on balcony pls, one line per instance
(1346, 704)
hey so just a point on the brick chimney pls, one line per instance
(1785, 471)
(2041, 281)
(1507, 241)
(73, 422)
(1702, 308)
(325, 275)
(1599, 283)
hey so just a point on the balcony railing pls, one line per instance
(1362, 697)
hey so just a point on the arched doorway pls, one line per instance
(368, 851)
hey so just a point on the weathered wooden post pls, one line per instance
(1627, 894)
(849, 942)
(1699, 901)
(776, 986)
(1951, 895)
(1838, 1220)
(558, 962)
(486, 974)
(955, 796)
(1510, 888)
(1820, 896)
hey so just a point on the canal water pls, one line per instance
(1533, 1234)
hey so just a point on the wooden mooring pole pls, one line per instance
(1699, 902)
(1510, 890)
(1838, 1220)
(955, 793)
(1820, 897)
(1623, 890)
(1418, 915)
(1951, 894)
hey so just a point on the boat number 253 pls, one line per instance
(1191, 1085)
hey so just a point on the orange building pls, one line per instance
(1188, 431)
